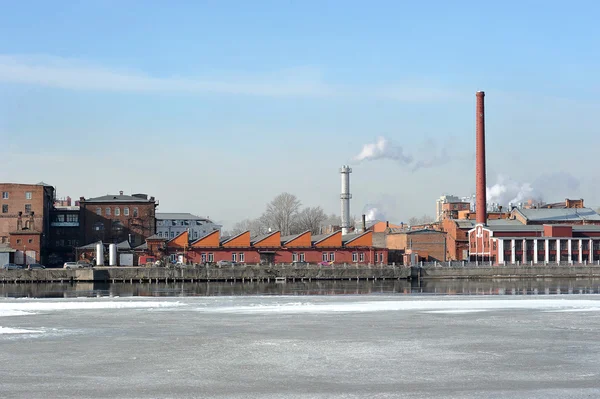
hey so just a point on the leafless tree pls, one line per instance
(425, 219)
(310, 219)
(281, 213)
(254, 226)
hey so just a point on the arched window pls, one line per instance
(117, 212)
(126, 211)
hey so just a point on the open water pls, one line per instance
(453, 339)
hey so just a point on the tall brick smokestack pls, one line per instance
(480, 193)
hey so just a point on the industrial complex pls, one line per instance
(126, 230)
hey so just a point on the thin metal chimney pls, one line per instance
(480, 200)
(345, 198)
(364, 223)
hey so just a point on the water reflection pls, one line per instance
(432, 287)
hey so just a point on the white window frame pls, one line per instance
(354, 257)
(5, 195)
(332, 256)
(211, 257)
(203, 257)
(99, 211)
(234, 257)
(160, 234)
(242, 257)
(126, 211)
(294, 257)
(362, 257)
(325, 256)
(172, 234)
(301, 256)
(28, 195)
(107, 212)
(117, 211)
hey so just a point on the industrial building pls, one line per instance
(117, 218)
(269, 248)
(170, 225)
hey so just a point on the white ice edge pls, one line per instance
(8, 330)
(439, 306)
(24, 308)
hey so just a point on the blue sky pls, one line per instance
(215, 107)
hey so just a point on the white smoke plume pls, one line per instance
(385, 149)
(507, 191)
(373, 213)
(551, 186)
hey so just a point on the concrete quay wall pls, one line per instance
(506, 272)
(236, 273)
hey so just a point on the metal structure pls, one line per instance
(99, 254)
(345, 198)
(112, 255)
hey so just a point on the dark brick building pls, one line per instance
(117, 218)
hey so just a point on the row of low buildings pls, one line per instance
(37, 227)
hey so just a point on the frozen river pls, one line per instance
(346, 346)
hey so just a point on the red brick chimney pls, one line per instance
(480, 189)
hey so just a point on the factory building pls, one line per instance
(270, 248)
(169, 225)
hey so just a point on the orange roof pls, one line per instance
(302, 240)
(363, 240)
(332, 240)
(241, 240)
(268, 241)
(210, 240)
(179, 241)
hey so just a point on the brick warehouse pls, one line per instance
(118, 218)
(25, 219)
(427, 244)
(271, 248)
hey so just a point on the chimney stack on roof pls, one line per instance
(480, 196)
(120, 192)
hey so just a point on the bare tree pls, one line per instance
(425, 219)
(310, 219)
(281, 213)
(413, 221)
(254, 226)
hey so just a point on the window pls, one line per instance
(324, 256)
(27, 208)
(126, 211)
(203, 257)
(4, 208)
(585, 245)
(98, 226)
(596, 245)
(376, 257)
(117, 226)
(28, 195)
(107, 212)
(117, 212)
(211, 257)
(518, 245)
(30, 241)
(98, 211)
(73, 218)
(552, 244)
(159, 223)
(18, 240)
(331, 256)
(241, 257)
(195, 234)
(302, 257)
(529, 244)
(135, 212)
(362, 257)
(294, 257)
(234, 257)
(4, 194)
(563, 245)
(160, 234)
(172, 234)
(354, 257)
(186, 222)
(59, 218)
(494, 245)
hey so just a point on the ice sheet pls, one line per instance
(8, 330)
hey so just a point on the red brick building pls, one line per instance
(25, 219)
(118, 218)
(429, 245)
(273, 248)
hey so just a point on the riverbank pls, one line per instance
(284, 273)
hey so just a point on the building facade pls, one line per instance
(118, 218)
(65, 234)
(170, 225)
(272, 248)
(25, 210)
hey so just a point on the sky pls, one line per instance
(215, 107)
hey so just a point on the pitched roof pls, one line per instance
(124, 246)
(291, 237)
(156, 237)
(118, 198)
(229, 238)
(142, 247)
(557, 214)
(180, 216)
(260, 237)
